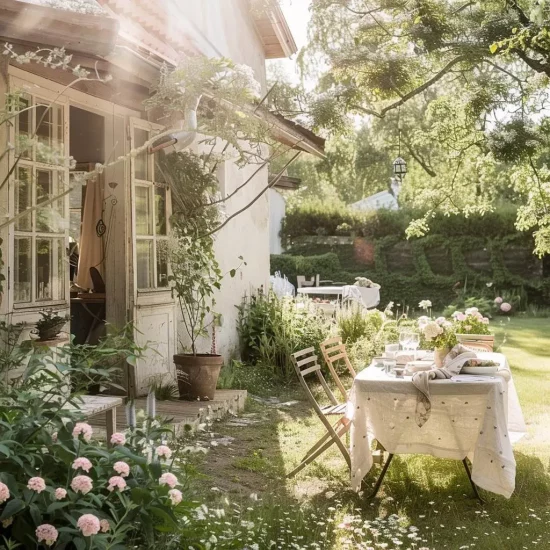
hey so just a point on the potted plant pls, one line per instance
(473, 328)
(50, 325)
(438, 335)
(195, 272)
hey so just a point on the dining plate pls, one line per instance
(479, 370)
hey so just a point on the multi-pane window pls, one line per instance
(151, 218)
(40, 226)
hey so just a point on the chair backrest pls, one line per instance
(302, 281)
(334, 353)
(97, 280)
(305, 362)
(478, 342)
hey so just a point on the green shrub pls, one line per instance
(271, 329)
(354, 323)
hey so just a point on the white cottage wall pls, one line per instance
(226, 28)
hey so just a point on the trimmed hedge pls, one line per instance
(314, 220)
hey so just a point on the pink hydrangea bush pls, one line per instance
(89, 525)
(46, 533)
(82, 463)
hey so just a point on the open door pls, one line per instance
(153, 307)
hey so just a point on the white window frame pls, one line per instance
(40, 95)
(150, 185)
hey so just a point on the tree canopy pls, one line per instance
(469, 82)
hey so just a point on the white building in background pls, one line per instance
(129, 40)
(383, 199)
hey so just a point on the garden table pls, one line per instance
(370, 297)
(478, 417)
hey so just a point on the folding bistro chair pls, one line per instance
(305, 362)
(477, 342)
(334, 352)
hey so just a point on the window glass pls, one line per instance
(144, 263)
(159, 173)
(23, 128)
(49, 132)
(160, 210)
(141, 161)
(144, 214)
(46, 216)
(22, 269)
(162, 263)
(23, 198)
(44, 265)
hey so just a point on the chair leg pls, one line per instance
(474, 487)
(317, 445)
(381, 477)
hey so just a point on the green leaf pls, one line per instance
(57, 506)
(493, 47)
(4, 450)
(80, 544)
(232, 273)
(12, 507)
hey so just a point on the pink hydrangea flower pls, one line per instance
(4, 492)
(164, 451)
(121, 468)
(460, 316)
(82, 484)
(84, 429)
(505, 307)
(36, 484)
(498, 300)
(485, 321)
(46, 533)
(175, 496)
(104, 525)
(116, 482)
(168, 479)
(89, 525)
(60, 493)
(440, 320)
(82, 463)
(118, 439)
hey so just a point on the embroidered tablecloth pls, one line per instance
(478, 417)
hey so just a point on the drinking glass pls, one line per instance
(389, 366)
(414, 342)
(404, 339)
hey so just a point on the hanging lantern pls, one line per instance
(399, 168)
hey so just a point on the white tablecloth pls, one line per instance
(472, 416)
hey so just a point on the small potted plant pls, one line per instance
(49, 325)
(473, 328)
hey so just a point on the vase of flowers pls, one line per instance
(438, 335)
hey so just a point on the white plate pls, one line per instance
(479, 370)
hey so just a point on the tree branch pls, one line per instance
(535, 64)
(428, 169)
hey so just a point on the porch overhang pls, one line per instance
(33, 24)
(292, 134)
(286, 183)
(274, 32)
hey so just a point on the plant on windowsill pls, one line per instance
(50, 325)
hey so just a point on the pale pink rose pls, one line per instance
(175, 496)
(485, 321)
(82, 463)
(498, 300)
(432, 330)
(60, 493)
(505, 307)
(105, 525)
(4, 492)
(164, 451)
(82, 484)
(118, 439)
(36, 484)
(84, 429)
(116, 482)
(7, 522)
(46, 533)
(460, 316)
(168, 479)
(88, 524)
(447, 324)
(121, 468)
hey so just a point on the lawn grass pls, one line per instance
(425, 502)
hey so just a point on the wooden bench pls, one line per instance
(93, 405)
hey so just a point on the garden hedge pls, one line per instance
(480, 256)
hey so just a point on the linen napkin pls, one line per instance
(421, 381)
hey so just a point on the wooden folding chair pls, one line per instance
(477, 342)
(334, 352)
(305, 363)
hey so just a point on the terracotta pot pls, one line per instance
(439, 356)
(197, 375)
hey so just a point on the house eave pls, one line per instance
(26, 23)
(274, 32)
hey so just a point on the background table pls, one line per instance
(472, 416)
(369, 296)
